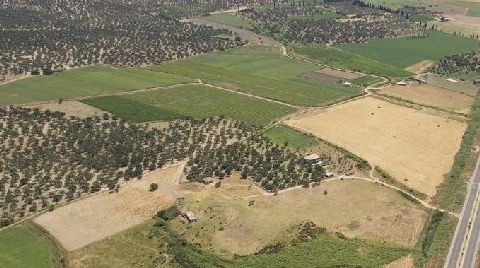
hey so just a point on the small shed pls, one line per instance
(189, 216)
(402, 83)
(311, 159)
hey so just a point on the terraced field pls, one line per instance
(87, 81)
(195, 101)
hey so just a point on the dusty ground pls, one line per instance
(404, 262)
(420, 67)
(416, 148)
(459, 23)
(228, 224)
(95, 218)
(340, 74)
(70, 108)
(431, 96)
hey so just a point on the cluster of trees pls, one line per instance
(359, 23)
(47, 158)
(467, 61)
(50, 35)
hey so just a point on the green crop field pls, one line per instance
(461, 87)
(421, 18)
(195, 101)
(266, 75)
(403, 52)
(396, 4)
(87, 81)
(231, 20)
(342, 59)
(294, 139)
(23, 247)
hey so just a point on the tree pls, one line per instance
(153, 187)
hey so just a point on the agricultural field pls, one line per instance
(339, 58)
(460, 86)
(105, 214)
(412, 146)
(431, 96)
(88, 81)
(294, 139)
(23, 246)
(404, 52)
(196, 101)
(70, 108)
(261, 74)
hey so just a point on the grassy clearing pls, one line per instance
(328, 15)
(473, 7)
(132, 248)
(231, 20)
(87, 81)
(403, 52)
(396, 4)
(452, 191)
(329, 251)
(273, 77)
(460, 87)
(366, 80)
(23, 247)
(421, 18)
(343, 59)
(292, 138)
(195, 101)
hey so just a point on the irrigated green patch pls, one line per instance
(231, 20)
(195, 101)
(87, 81)
(292, 138)
(403, 52)
(22, 247)
(342, 59)
(269, 76)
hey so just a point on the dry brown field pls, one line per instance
(228, 224)
(431, 96)
(420, 67)
(102, 215)
(70, 108)
(404, 262)
(459, 23)
(414, 147)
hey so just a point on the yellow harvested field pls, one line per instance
(70, 108)
(403, 262)
(239, 218)
(102, 215)
(414, 147)
(431, 96)
(420, 67)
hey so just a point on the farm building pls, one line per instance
(189, 216)
(402, 83)
(311, 159)
(348, 84)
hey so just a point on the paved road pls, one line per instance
(464, 247)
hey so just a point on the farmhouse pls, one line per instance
(311, 159)
(189, 216)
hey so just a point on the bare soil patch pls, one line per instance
(92, 219)
(70, 108)
(431, 96)
(329, 75)
(404, 262)
(414, 147)
(420, 67)
(238, 218)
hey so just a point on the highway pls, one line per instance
(463, 250)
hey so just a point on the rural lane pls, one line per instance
(463, 250)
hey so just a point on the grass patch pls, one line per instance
(273, 77)
(460, 87)
(421, 18)
(231, 20)
(473, 7)
(195, 101)
(87, 81)
(403, 52)
(345, 60)
(452, 191)
(22, 246)
(292, 138)
(327, 15)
